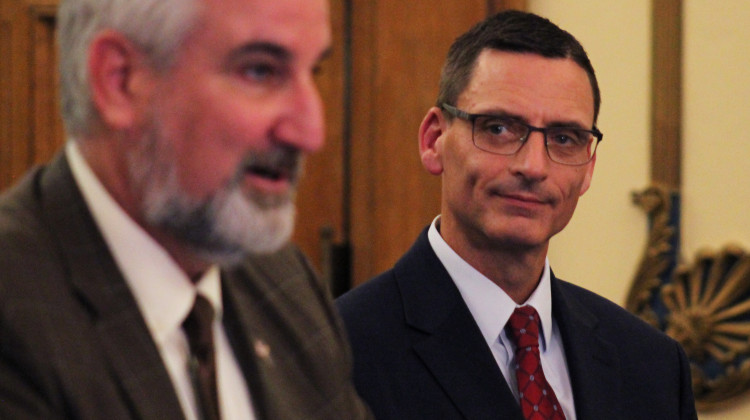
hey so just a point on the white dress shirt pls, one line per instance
(491, 308)
(165, 296)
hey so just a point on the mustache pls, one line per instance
(277, 163)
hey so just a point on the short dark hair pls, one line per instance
(512, 31)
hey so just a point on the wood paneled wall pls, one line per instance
(399, 48)
(30, 125)
(365, 197)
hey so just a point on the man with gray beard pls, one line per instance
(145, 271)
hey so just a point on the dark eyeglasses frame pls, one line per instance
(455, 112)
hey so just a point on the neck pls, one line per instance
(515, 268)
(194, 266)
(518, 276)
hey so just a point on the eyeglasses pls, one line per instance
(506, 136)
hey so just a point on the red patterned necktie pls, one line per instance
(538, 401)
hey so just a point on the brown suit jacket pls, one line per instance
(74, 345)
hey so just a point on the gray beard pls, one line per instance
(224, 227)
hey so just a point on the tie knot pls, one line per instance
(198, 327)
(524, 326)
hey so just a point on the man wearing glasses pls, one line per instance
(471, 323)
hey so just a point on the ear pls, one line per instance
(116, 69)
(430, 147)
(588, 176)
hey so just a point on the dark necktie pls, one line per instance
(538, 401)
(202, 366)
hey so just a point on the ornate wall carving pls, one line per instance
(704, 304)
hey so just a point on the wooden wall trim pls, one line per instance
(363, 69)
(31, 127)
(5, 100)
(319, 199)
(395, 71)
(46, 118)
(666, 88)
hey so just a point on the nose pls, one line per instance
(302, 125)
(532, 161)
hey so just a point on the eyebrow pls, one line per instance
(272, 49)
(267, 48)
(515, 117)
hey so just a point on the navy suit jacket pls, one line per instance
(418, 353)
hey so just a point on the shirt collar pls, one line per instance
(162, 290)
(490, 306)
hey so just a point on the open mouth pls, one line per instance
(271, 173)
(274, 171)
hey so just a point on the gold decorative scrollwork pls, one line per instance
(704, 305)
(657, 202)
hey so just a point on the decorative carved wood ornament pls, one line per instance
(705, 304)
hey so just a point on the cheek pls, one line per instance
(214, 116)
(571, 193)
(461, 172)
(204, 151)
(580, 185)
(206, 130)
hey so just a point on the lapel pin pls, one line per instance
(263, 351)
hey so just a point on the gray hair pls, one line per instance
(157, 27)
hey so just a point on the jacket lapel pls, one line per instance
(238, 323)
(454, 349)
(126, 342)
(592, 361)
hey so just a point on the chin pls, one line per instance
(518, 238)
(249, 227)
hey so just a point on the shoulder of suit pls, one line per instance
(610, 314)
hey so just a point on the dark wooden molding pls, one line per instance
(46, 121)
(31, 128)
(666, 88)
(5, 99)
